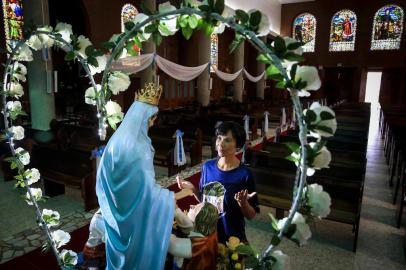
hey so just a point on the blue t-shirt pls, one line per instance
(231, 221)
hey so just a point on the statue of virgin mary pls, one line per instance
(138, 213)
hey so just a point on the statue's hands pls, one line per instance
(182, 184)
(242, 197)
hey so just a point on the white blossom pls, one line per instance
(118, 82)
(264, 25)
(33, 175)
(68, 257)
(168, 22)
(50, 217)
(282, 261)
(302, 232)
(113, 109)
(321, 124)
(289, 40)
(90, 95)
(140, 17)
(24, 54)
(60, 237)
(318, 200)
(34, 42)
(46, 40)
(14, 106)
(65, 30)
(310, 75)
(83, 43)
(23, 155)
(323, 158)
(36, 194)
(17, 131)
(101, 61)
(19, 71)
(15, 89)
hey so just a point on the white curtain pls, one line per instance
(252, 78)
(228, 77)
(181, 73)
(133, 64)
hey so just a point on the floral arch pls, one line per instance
(282, 59)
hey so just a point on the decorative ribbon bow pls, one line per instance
(180, 157)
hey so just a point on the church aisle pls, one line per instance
(380, 243)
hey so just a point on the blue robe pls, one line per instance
(138, 213)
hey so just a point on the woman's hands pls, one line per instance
(182, 184)
(242, 198)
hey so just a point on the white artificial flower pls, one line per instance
(318, 200)
(310, 75)
(33, 176)
(90, 95)
(14, 106)
(65, 30)
(34, 42)
(323, 159)
(36, 194)
(289, 40)
(19, 71)
(282, 261)
(23, 155)
(101, 61)
(15, 89)
(18, 132)
(140, 17)
(169, 21)
(60, 237)
(83, 43)
(50, 217)
(219, 29)
(68, 257)
(113, 109)
(118, 82)
(302, 232)
(46, 40)
(319, 123)
(24, 54)
(264, 25)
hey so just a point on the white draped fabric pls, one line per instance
(228, 77)
(247, 126)
(181, 73)
(252, 78)
(133, 64)
(266, 123)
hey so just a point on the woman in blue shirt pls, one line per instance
(240, 199)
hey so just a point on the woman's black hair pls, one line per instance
(236, 129)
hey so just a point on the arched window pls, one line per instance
(214, 51)
(304, 30)
(128, 12)
(13, 21)
(343, 31)
(387, 28)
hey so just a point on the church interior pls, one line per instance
(194, 85)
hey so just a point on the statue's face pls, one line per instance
(194, 210)
(152, 119)
(226, 145)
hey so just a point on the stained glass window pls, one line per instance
(128, 12)
(387, 28)
(214, 51)
(304, 30)
(13, 21)
(343, 31)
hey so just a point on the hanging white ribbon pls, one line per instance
(178, 72)
(283, 119)
(179, 153)
(247, 126)
(252, 78)
(228, 77)
(266, 122)
(133, 64)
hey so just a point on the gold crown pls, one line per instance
(149, 94)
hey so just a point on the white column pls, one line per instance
(238, 59)
(203, 81)
(42, 104)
